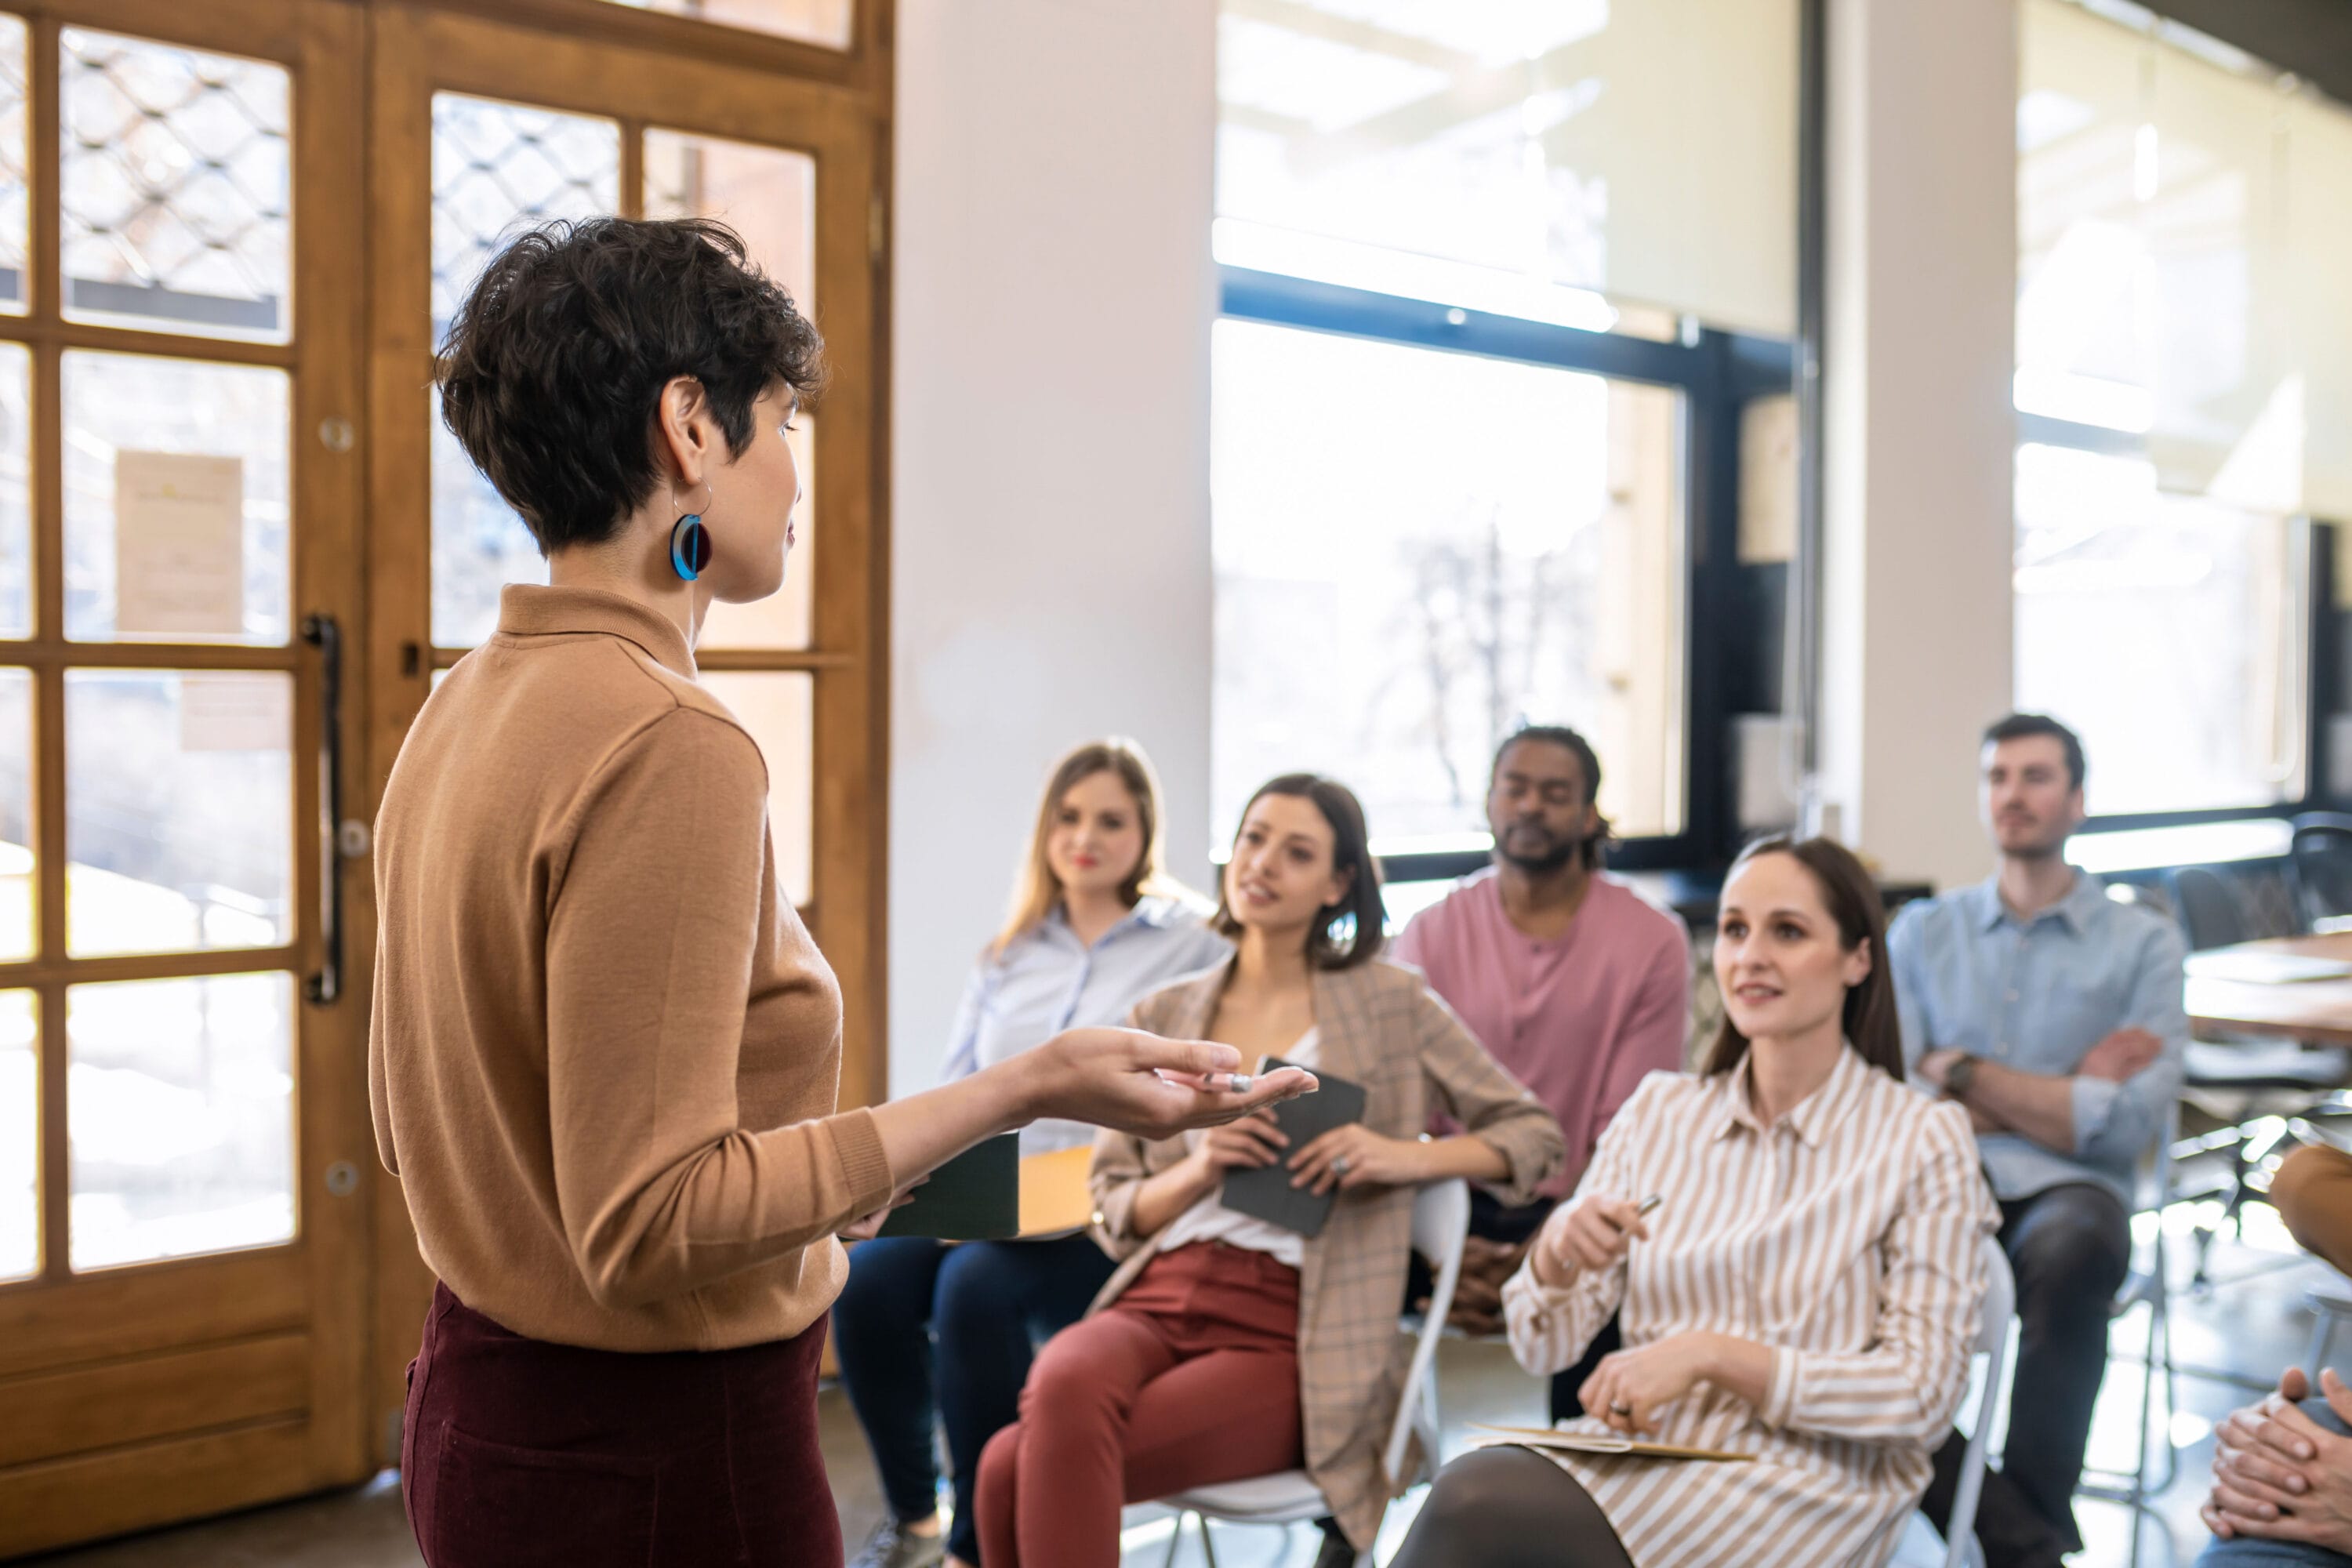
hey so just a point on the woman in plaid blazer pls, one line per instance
(1226, 1347)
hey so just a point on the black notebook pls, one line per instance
(976, 1196)
(1265, 1192)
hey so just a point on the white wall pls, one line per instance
(1049, 473)
(1922, 281)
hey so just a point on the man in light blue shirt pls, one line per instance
(2054, 1015)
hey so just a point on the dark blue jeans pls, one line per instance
(929, 1334)
(2248, 1552)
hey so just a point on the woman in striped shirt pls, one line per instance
(1805, 1292)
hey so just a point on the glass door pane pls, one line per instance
(16, 491)
(177, 189)
(777, 708)
(176, 500)
(20, 1129)
(179, 797)
(183, 1121)
(15, 194)
(827, 23)
(19, 933)
(767, 194)
(496, 168)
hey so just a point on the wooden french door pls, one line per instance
(235, 551)
(184, 1146)
(481, 123)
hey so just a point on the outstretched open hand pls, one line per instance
(1153, 1088)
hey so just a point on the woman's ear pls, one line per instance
(1858, 964)
(684, 430)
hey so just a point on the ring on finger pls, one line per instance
(1339, 1164)
(1619, 1408)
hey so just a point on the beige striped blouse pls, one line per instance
(1848, 1237)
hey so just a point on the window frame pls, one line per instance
(1717, 373)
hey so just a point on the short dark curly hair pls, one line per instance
(551, 370)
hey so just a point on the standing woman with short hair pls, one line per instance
(604, 1054)
(930, 1334)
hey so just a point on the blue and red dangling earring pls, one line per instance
(690, 546)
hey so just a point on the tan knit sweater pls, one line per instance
(605, 1053)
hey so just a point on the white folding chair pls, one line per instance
(1441, 1217)
(1920, 1546)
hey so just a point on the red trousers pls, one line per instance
(1189, 1378)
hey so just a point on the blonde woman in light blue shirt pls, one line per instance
(926, 1331)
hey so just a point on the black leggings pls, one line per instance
(1510, 1508)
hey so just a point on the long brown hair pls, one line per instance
(1871, 1027)
(1035, 889)
(1351, 931)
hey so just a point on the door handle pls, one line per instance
(326, 982)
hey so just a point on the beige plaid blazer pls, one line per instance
(1380, 1027)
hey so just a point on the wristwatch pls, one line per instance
(1960, 1075)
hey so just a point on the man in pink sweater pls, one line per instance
(1572, 981)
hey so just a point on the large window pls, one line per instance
(2183, 392)
(2169, 629)
(1418, 551)
(1497, 281)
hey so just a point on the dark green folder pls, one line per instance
(976, 1196)
(1265, 1192)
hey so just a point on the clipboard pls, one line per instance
(1553, 1438)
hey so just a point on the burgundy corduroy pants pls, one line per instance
(517, 1453)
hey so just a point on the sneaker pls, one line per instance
(890, 1546)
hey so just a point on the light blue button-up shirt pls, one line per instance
(2036, 994)
(1048, 981)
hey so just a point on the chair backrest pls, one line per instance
(2210, 914)
(1441, 1218)
(2320, 863)
(1993, 1344)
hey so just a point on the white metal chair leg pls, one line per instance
(2136, 1489)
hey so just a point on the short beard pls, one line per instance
(2039, 852)
(1551, 861)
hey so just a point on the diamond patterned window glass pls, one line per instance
(15, 195)
(496, 168)
(828, 23)
(501, 167)
(175, 189)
